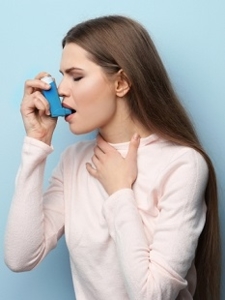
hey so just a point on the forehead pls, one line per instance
(73, 54)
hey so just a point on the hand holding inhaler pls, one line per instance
(52, 96)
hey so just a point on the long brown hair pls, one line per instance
(117, 42)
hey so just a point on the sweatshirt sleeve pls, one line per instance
(33, 226)
(157, 270)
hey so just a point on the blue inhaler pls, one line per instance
(52, 96)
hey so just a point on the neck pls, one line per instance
(122, 126)
(123, 131)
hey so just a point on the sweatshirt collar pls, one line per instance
(143, 142)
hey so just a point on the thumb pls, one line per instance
(133, 147)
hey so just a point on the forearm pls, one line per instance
(25, 241)
(143, 275)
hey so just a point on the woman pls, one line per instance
(138, 205)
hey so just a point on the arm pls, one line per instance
(30, 233)
(35, 223)
(158, 270)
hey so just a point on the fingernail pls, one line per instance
(136, 136)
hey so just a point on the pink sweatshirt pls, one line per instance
(136, 244)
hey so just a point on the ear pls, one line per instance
(122, 84)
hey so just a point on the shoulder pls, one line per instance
(184, 164)
(183, 155)
(174, 154)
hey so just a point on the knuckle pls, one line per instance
(41, 75)
(22, 104)
(36, 94)
(27, 83)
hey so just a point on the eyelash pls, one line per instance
(77, 78)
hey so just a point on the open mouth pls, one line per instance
(67, 115)
(72, 111)
(67, 107)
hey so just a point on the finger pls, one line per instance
(31, 85)
(41, 75)
(92, 171)
(41, 103)
(133, 147)
(103, 145)
(98, 153)
(96, 162)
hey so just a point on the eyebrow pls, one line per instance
(69, 70)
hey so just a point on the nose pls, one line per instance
(62, 89)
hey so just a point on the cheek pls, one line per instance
(99, 112)
(94, 94)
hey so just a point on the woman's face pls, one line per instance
(87, 90)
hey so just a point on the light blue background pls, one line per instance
(190, 36)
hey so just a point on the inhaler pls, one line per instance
(52, 96)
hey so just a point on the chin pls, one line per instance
(80, 131)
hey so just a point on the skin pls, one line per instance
(100, 103)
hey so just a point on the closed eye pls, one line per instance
(77, 78)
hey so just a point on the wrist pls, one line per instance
(47, 139)
(118, 188)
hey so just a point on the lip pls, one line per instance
(67, 117)
(67, 106)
